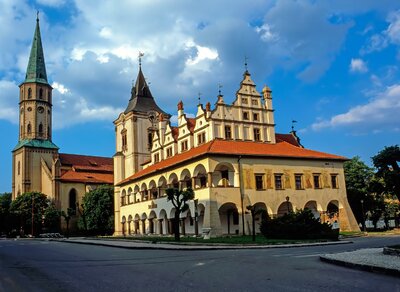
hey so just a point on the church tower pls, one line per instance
(34, 154)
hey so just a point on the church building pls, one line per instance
(37, 163)
(232, 158)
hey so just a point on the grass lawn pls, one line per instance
(221, 240)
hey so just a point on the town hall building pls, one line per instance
(232, 158)
(37, 164)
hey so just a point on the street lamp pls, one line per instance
(288, 204)
(363, 215)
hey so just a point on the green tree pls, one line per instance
(179, 199)
(67, 217)
(98, 206)
(26, 204)
(386, 163)
(358, 178)
(52, 218)
(6, 218)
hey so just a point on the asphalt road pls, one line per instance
(33, 265)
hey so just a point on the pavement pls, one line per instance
(370, 259)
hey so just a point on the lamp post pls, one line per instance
(363, 215)
(287, 204)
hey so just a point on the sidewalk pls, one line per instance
(369, 259)
(137, 244)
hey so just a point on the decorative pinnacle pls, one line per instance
(219, 88)
(140, 58)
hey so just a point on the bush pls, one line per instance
(297, 225)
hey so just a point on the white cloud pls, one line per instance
(51, 3)
(380, 113)
(358, 65)
(9, 101)
(60, 88)
(266, 33)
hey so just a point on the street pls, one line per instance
(35, 265)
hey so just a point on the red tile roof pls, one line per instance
(191, 123)
(87, 169)
(287, 138)
(235, 148)
(175, 133)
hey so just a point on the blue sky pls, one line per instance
(333, 66)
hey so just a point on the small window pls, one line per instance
(40, 129)
(29, 128)
(228, 132)
(184, 145)
(49, 96)
(19, 167)
(298, 178)
(201, 138)
(316, 178)
(169, 151)
(203, 181)
(334, 181)
(255, 117)
(245, 116)
(149, 139)
(257, 134)
(29, 93)
(156, 157)
(278, 182)
(124, 140)
(40, 93)
(259, 182)
(254, 102)
(244, 100)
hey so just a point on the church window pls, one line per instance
(257, 134)
(41, 93)
(29, 128)
(40, 129)
(169, 151)
(201, 138)
(72, 201)
(184, 145)
(124, 140)
(29, 93)
(19, 168)
(228, 132)
(278, 181)
(245, 116)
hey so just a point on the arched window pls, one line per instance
(40, 93)
(29, 128)
(40, 129)
(72, 200)
(150, 138)
(29, 93)
(19, 167)
(124, 140)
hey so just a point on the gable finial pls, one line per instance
(293, 122)
(245, 62)
(219, 88)
(199, 97)
(37, 15)
(140, 58)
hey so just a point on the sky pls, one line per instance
(333, 66)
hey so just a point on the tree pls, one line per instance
(358, 177)
(386, 163)
(98, 206)
(179, 199)
(6, 218)
(29, 208)
(67, 217)
(52, 218)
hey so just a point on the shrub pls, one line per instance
(297, 225)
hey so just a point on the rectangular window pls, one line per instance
(169, 151)
(254, 102)
(244, 100)
(203, 181)
(255, 117)
(184, 145)
(245, 116)
(316, 178)
(124, 141)
(334, 181)
(228, 132)
(257, 136)
(298, 179)
(201, 138)
(278, 182)
(259, 181)
(156, 157)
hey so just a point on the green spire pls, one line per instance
(36, 71)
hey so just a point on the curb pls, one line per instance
(206, 247)
(362, 267)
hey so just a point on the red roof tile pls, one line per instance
(287, 138)
(175, 133)
(87, 177)
(223, 147)
(191, 122)
(89, 163)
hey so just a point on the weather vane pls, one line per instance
(199, 96)
(219, 88)
(140, 58)
(245, 62)
(37, 15)
(293, 122)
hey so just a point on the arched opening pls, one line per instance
(137, 224)
(129, 224)
(313, 207)
(136, 194)
(123, 223)
(332, 211)
(144, 218)
(153, 190)
(186, 180)
(123, 198)
(284, 208)
(40, 129)
(152, 220)
(229, 217)
(173, 181)
(162, 222)
(200, 175)
(29, 93)
(129, 199)
(72, 200)
(144, 193)
(223, 175)
(29, 129)
(162, 186)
